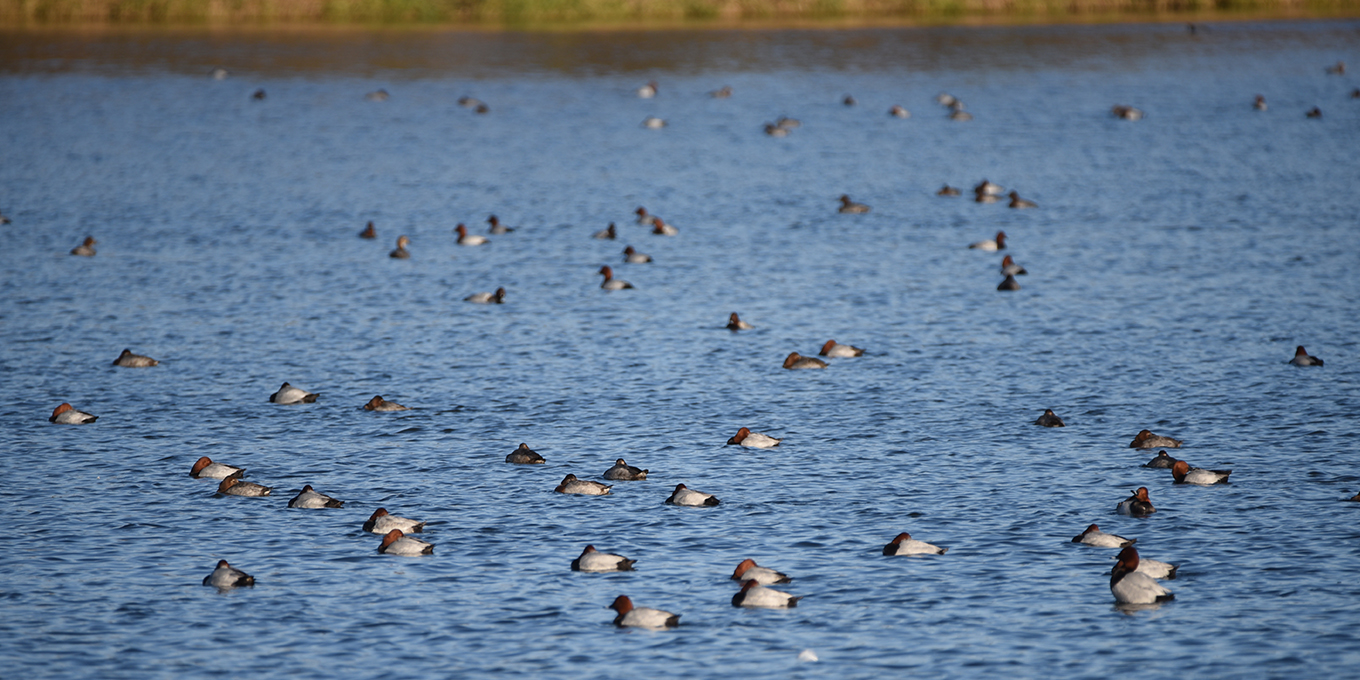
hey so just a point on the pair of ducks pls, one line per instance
(1133, 580)
(831, 348)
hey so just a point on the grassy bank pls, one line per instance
(548, 12)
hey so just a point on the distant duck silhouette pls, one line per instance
(849, 100)
(369, 231)
(653, 123)
(1339, 69)
(647, 91)
(466, 239)
(775, 131)
(470, 102)
(259, 95)
(788, 123)
(947, 190)
(497, 227)
(734, 323)
(1260, 103)
(611, 283)
(1126, 112)
(376, 96)
(960, 116)
(849, 206)
(899, 112)
(1017, 202)
(608, 233)
(219, 74)
(1314, 112)
(632, 256)
(400, 253)
(721, 93)
(85, 249)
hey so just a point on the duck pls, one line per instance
(643, 217)
(849, 206)
(796, 361)
(4, 219)
(898, 112)
(904, 544)
(734, 323)
(611, 283)
(259, 95)
(219, 73)
(1260, 103)
(721, 93)
(401, 253)
(1302, 358)
(1158, 570)
(835, 349)
(1050, 419)
(1314, 112)
(311, 499)
(396, 542)
(594, 560)
(1094, 536)
(1339, 69)
(377, 96)
(960, 115)
(945, 99)
(1147, 440)
(647, 91)
(947, 190)
(466, 239)
(288, 394)
(382, 522)
(684, 495)
(653, 123)
(1126, 112)
(496, 298)
(470, 102)
(788, 123)
(641, 617)
(85, 249)
(609, 233)
(497, 227)
(1010, 268)
(1132, 587)
(525, 456)
(129, 360)
(1161, 460)
(849, 100)
(634, 257)
(1184, 474)
(776, 131)
(1009, 283)
(225, 576)
(232, 486)
(1137, 505)
(753, 440)
(1355, 498)
(991, 245)
(980, 197)
(753, 594)
(1017, 202)
(205, 468)
(65, 414)
(570, 484)
(622, 471)
(1355, 94)
(660, 228)
(369, 231)
(377, 403)
(748, 570)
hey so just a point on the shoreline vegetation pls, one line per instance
(632, 14)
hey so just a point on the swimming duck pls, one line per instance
(643, 217)
(849, 101)
(849, 206)
(85, 249)
(653, 123)
(396, 542)
(1161, 460)
(721, 93)
(1314, 112)
(381, 522)
(369, 231)
(231, 486)
(947, 190)
(470, 102)
(684, 495)
(904, 544)
(748, 570)
(1010, 268)
(219, 74)
(989, 188)
(945, 99)
(129, 360)
(611, 283)
(960, 115)
(594, 560)
(1132, 587)
(400, 253)
(899, 112)
(776, 131)
(991, 245)
(570, 484)
(647, 91)
(377, 403)
(1301, 358)
(753, 440)
(608, 233)
(205, 468)
(65, 414)
(753, 594)
(788, 123)
(633, 256)
(641, 617)
(1147, 440)
(1094, 536)
(734, 323)
(1184, 474)
(1355, 94)
(224, 576)
(1260, 103)
(4, 219)
(496, 298)
(835, 349)
(1009, 283)
(660, 228)
(1050, 419)
(525, 456)
(259, 95)
(1137, 505)
(622, 471)
(466, 239)
(1338, 70)
(376, 96)
(797, 361)
(1017, 202)
(497, 227)
(309, 498)
(1126, 112)
(288, 394)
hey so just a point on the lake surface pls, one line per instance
(1174, 264)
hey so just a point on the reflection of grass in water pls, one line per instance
(557, 12)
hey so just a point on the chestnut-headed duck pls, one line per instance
(377, 96)
(904, 544)
(401, 253)
(205, 468)
(734, 323)
(224, 576)
(470, 102)
(1339, 69)
(622, 471)
(310, 498)
(849, 100)
(1314, 112)
(466, 239)
(643, 217)
(945, 99)
(647, 91)
(849, 206)
(1126, 112)
(65, 414)
(1184, 474)
(1146, 440)
(1009, 283)
(496, 298)
(85, 249)
(231, 486)
(259, 95)
(1017, 202)
(1260, 103)
(381, 522)
(797, 361)
(634, 257)
(609, 232)
(641, 617)
(776, 131)
(1137, 505)
(684, 495)
(1302, 358)
(129, 360)
(660, 228)
(947, 190)
(377, 403)
(653, 123)
(525, 456)
(396, 542)
(753, 594)
(1050, 419)
(1010, 268)
(721, 93)
(1155, 569)
(835, 349)
(991, 245)
(1161, 460)
(1133, 587)
(788, 123)
(369, 231)
(611, 283)
(753, 440)
(570, 484)
(1094, 536)
(748, 570)
(899, 112)
(960, 115)
(594, 560)
(288, 394)
(496, 226)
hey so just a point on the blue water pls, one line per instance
(1174, 264)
